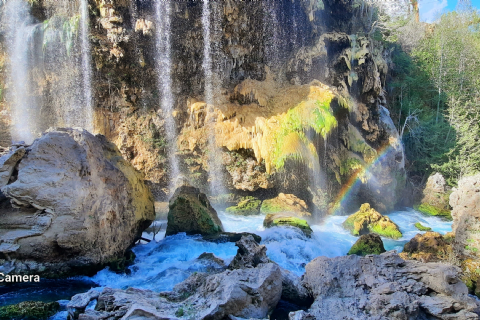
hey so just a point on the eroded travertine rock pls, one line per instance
(384, 287)
(80, 205)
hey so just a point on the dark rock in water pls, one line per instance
(191, 212)
(29, 310)
(249, 254)
(367, 244)
(79, 206)
(384, 287)
(209, 257)
(230, 237)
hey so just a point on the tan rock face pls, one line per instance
(465, 201)
(428, 247)
(76, 194)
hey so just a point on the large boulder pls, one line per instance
(285, 203)
(367, 244)
(384, 287)
(246, 207)
(285, 219)
(78, 206)
(191, 212)
(368, 220)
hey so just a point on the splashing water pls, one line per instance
(159, 266)
(164, 68)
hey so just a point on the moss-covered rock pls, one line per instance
(431, 246)
(247, 207)
(471, 275)
(285, 203)
(191, 212)
(368, 220)
(420, 227)
(431, 210)
(367, 244)
(278, 220)
(29, 310)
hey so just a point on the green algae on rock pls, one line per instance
(368, 220)
(420, 227)
(279, 220)
(367, 244)
(431, 210)
(191, 212)
(247, 207)
(29, 310)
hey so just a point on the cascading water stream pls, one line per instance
(19, 35)
(87, 121)
(164, 67)
(215, 159)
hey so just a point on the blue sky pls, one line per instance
(430, 9)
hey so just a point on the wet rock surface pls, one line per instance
(76, 205)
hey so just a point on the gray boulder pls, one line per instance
(384, 287)
(80, 206)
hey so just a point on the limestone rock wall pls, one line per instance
(265, 54)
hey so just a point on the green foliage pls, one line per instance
(179, 312)
(29, 310)
(420, 227)
(437, 77)
(430, 210)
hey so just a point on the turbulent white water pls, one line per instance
(161, 265)
(164, 66)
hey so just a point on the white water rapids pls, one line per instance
(161, 265)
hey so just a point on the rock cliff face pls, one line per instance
(272, 61)
(75, 204)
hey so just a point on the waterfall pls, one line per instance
(87, 119)
(19, 36)
(164, 71)
(215, 162)
(49, 74)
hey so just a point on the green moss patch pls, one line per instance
(29, 310)
(272, 221)
(420, 227)
(246, 207)
(367, 244)
(430, 210)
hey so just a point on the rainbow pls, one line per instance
(355, 178)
